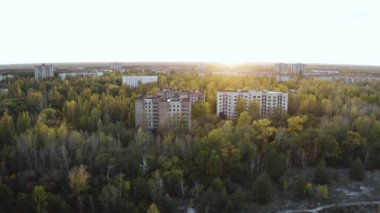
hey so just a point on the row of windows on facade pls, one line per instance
(258, 97)
(263, 103)
(263, 110)
(268, 105)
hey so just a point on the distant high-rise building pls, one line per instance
(282, 68)
(290, 68)
(134, 81)
(169, 108)
(269, 102)
(43, 71)
(201, 69)
(298, 68)
(116, 67)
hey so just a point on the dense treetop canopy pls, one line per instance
(72, 146)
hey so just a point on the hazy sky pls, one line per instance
(309, 31)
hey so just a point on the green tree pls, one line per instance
(24, 203)
(357, 170)
(6, 199)
(240, 106)
(71, 112)
(263, 189)
(215, 167)
(56, 203)
(254, 109)
(353, 146)
(131, 115)
(295, 123)
(109, 197)
(328, 107)
(39, 196)
(23, 122)
(320, 174)
(276, 165)
(78, 177)
(7, 129)
(71, 94)
(244, 119)
(301, 188)
(262, 129)
(34, 100)
(55, 98)
(212, 201)
(200, 110)
(309, 104)
(153, 209)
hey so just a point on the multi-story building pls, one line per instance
(269, 102)
(291, 68)
(6, 77)
(43, 71)
(166, 109)
(116, 67)
(298, 68)
(63, 76)
(134, 81)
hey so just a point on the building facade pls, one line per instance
(167, 109)
(296, 69)
(6, 77)
(43, 71)
(269, 102)
(63, 76)
(116, 67)
(133, 81)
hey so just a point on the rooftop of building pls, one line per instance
(162, 99)
(140, 76)
(263, 91)
(170, 90)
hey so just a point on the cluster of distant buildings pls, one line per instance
(335, 75)
(172, 108)
(47, 71)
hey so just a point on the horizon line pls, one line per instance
(185, 62)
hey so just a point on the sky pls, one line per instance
(234, 31)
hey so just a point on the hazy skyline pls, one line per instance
(335, 31)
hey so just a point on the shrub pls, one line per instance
(301, 188)
(322, 192)
(320, 174)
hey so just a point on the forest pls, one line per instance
(71, 146)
